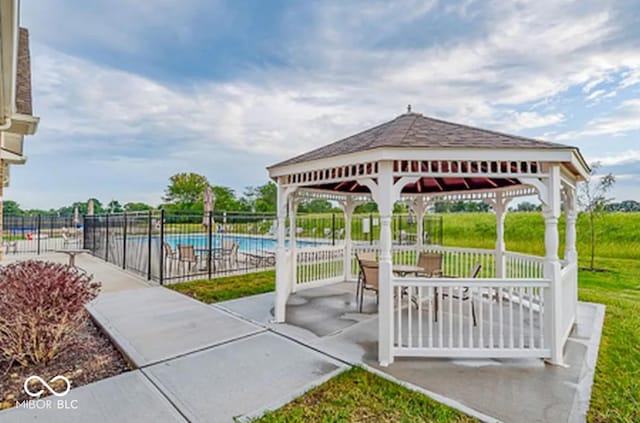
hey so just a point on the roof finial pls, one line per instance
(408, 108)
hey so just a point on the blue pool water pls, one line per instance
(246, 243)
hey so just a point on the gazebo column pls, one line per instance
(499, 205)
(293, 247)
(283, 268)
(385, 193)
(385, 201)
(552, 268)
(570, 278)
(571, 216)
(348, 206)
(419, 208)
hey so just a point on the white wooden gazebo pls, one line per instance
(526, 304)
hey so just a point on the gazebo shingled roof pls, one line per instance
(421, 134)
(413, 130)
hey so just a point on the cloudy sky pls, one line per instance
(131, 92)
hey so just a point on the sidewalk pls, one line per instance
(195, 363)
(113, 278)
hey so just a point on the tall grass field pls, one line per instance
(617, 234)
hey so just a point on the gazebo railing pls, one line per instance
(435, 317)
(569, 295)
(319, 265)
(523, 265)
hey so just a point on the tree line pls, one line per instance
(185, 192)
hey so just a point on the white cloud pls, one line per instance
(625, 118)
(631, 156)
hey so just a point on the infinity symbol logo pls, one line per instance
(46, 385)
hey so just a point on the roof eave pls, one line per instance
(564, 155)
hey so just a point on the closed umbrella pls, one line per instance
(209, 201)
(76, 217)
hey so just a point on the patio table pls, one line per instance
(403, 270)
(72, 253)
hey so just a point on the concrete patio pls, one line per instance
(492, 389)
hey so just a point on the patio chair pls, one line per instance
(69, 241)
(229, 252)
(188, 256)
(431, 263)
(170, 255)
(10, 246)
(366, 256)
(462, 294)
(369, 270)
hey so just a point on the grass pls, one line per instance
(616, 390)
(359, 396)
(227, 288)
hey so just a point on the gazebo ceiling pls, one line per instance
(427, 185)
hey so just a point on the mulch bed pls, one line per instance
(95, 358)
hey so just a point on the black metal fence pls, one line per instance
(23, 234)
(171, 247)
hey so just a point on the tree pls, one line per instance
(185, 191)
(625, 206)
(114, 206)
(592, 198)
(366, 208)
(316, 206)
(264, 197)
(526, 206)
(226, 199)
(10, 207)
(135, 207)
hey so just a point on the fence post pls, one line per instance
(38, 232)
(149, 246)
(209, 244)
(124, 242)
(333, 229)
(161, 246)
(84, 232)
(370, 228)
(106, 244)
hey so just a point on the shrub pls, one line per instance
(41, 310)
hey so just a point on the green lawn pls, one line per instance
(616, 389)
(227, 288)
(359, 396)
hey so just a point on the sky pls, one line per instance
(131, 92)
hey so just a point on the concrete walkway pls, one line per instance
(195, 363)
(113, 278)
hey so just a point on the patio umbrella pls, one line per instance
(209, 201)
(76, 217)
(90, 208)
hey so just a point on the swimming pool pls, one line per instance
(246, 243)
